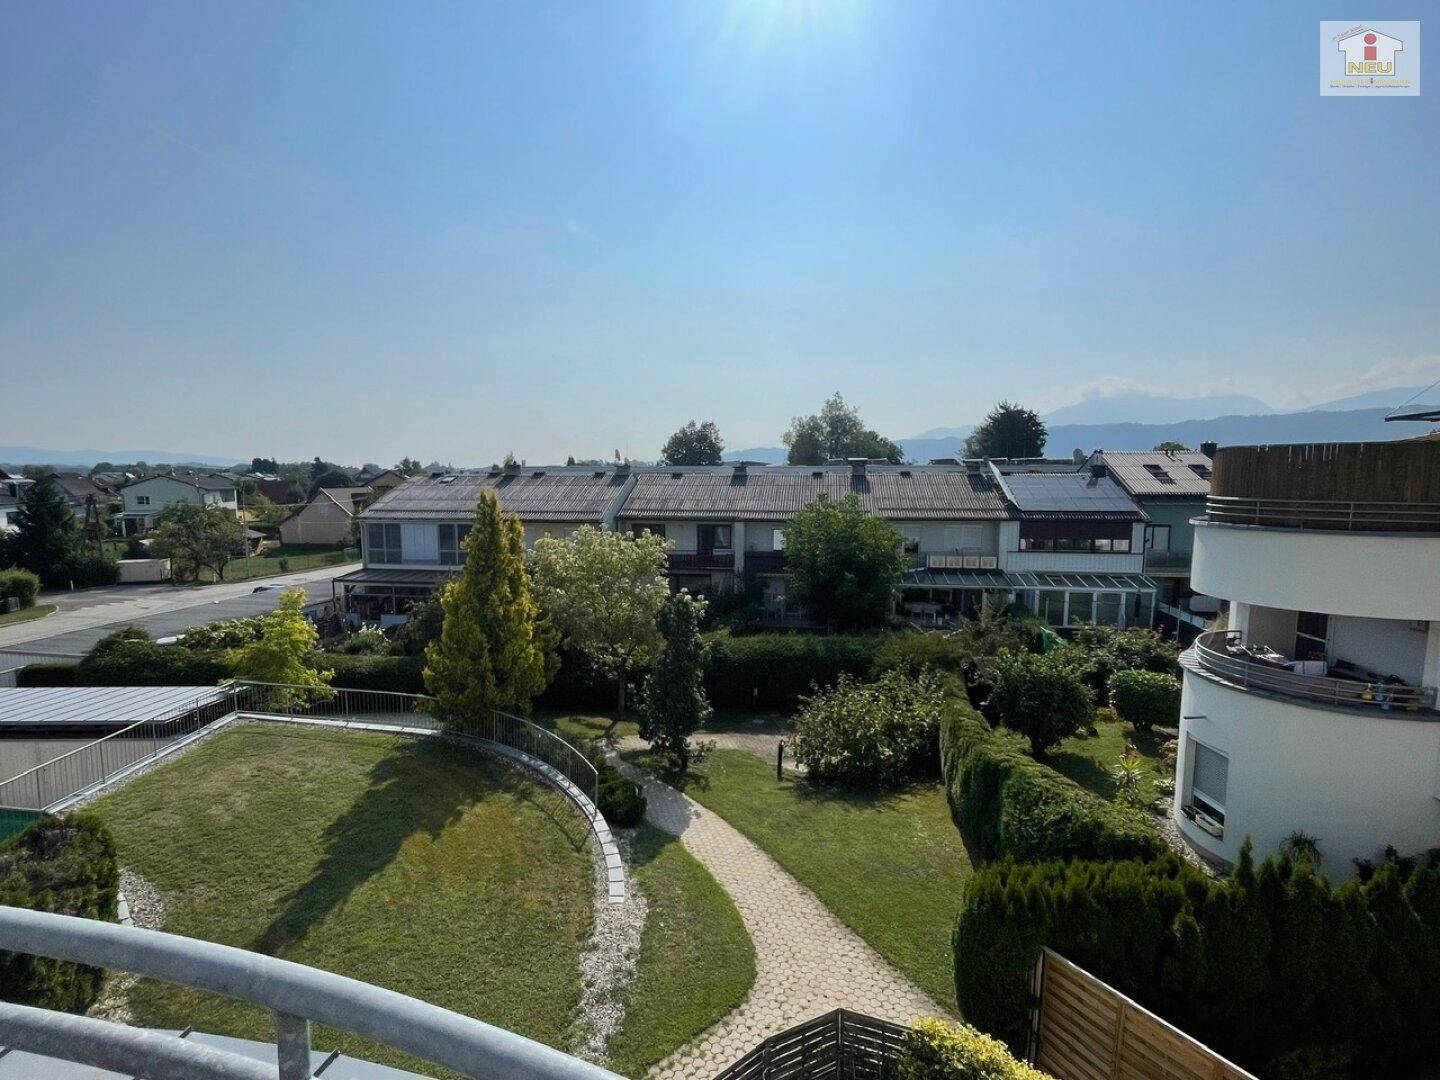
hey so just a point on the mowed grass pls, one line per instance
(890, 864)
(696, 962)
(408, 863)
(34, 611)
(1090, 760)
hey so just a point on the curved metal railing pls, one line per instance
(1211, 654)
(419, 711)
(296, 994)
(1335, 516)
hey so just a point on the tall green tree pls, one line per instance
(195, 537)
(47, 539)
(845, 564)
(604, 591)
(836, 431)
(694, 444)
(1008, 431)
(284, 655)
(674, 703)
(495, 651)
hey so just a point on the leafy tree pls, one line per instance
(844, 563)
(694, 444)
(511, 461)
(836, 431)
(1008, 431)
(494, 651)
(674, 704)
(1170, 446)
(262, 510)
(1040, 699)
(604, 591)
(331, 478)
(264, 465)
(46, 540)
(871, 734)
(409, 466)
(284, 654)
(195, 537)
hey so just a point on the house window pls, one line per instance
(142, 500)
(450, 544)
(1157, 537)
(640, 528)
(777, 538)
(1052, 607)
(1209, 779)
(1312, 631)
(1082, 608)
(383, 544)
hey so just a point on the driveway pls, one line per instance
(84, 617)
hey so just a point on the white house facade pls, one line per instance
(143, 501)
(1314, 711)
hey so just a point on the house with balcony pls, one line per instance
(1314, 710)
(143, 501)
(1171, 487)
(410, 536)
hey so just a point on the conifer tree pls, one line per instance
(46, 539)
(675, 704)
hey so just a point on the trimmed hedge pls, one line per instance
(1272, 967)
(63, 865)
(130, 658)
(21, 584)
(773, 671)
(1011, 806)
(47, 675)
(398, 674)
(935, 1050)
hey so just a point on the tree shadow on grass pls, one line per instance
(413, 789)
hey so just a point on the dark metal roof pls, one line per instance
(1154, 472)
(95, 706)
(1069, 495)
(777, 493)
(394, 577)
(564, 493)
(958, 579)
(1037, 579)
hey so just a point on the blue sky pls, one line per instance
(450, 231)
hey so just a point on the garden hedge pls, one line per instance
(63, 865)
(1011, 806)
(773, 671)
(130, 658)
(1272, 967)
(47, 675)
(19, 583)
(398, 674)
(935, 1050)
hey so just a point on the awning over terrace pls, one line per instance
(958, 579)
(385, 596)
(108, 707)
(1072, 598)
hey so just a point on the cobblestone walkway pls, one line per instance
(807, 961)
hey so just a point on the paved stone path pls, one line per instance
(807, 961)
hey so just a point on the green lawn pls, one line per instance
(35, 611)
(889, 864)
(696, 961)
(269, 565)
(1090, 760)
(403, 862)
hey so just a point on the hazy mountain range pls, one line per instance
(1139, 421)
(37, 455)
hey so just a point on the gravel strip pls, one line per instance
(1170, 832)
(607, 967)
(147, 911)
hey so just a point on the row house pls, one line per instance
(1067, 545)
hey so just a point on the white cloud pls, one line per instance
(1409, 371)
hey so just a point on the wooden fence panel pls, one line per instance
(1084, 1029)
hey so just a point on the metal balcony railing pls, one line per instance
(1212, 653)
(701, 560)
(1335, 516)
(295, 994)
(1166, 560)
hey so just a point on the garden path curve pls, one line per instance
(807, 961)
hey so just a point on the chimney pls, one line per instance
(857, 467)
(739, 469)
(622, 468)
(1208, 449)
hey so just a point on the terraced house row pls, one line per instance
(1072, 544)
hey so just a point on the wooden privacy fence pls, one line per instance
(841, 1044)
(1083, 1029)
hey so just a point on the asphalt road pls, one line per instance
(84, 617)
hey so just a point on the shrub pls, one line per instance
(935, 1050)
(870, 734)
(46, 675)
(21, 584)
(1272, 967)
(622, 801)
(67, 866)
(915, 651)
(1039, 698)
(1145, 698)
(774, 671)
(1012, 806)
(1096, 653)
(88, 571)
(224, 633)
(129, 657)
(582, 682)
(397, 674)
(365, 641)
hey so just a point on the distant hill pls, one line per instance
(1143, 408)
(1374, 399)
(1350, 425)
(36, 455)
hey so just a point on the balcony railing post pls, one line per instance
(292, 1046)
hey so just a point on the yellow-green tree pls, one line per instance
(495, 651)
(284, 654)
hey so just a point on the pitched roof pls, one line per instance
(1154, 472)
(777, 493)
(80, 487)
(203, 483)
(1069, 495)
(560, 493)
